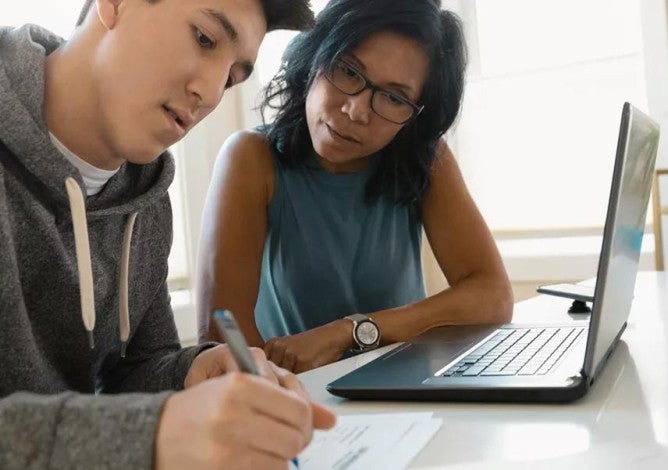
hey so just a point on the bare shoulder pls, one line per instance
(246, 158)
(249, 149)
(445, 175)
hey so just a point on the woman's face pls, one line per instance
(344, 128)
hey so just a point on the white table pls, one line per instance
(621, 423)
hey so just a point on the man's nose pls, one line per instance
(207, 87)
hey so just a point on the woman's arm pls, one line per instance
(233, 233)
(479, 289)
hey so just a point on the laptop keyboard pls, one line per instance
(522, 351)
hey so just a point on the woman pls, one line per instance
(317, 217)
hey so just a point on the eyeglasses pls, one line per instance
(384, 103)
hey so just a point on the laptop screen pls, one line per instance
(623, 233)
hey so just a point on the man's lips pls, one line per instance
(184, 119)
(345, 137)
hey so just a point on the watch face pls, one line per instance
(367, 333)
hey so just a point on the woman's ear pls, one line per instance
(107, 11)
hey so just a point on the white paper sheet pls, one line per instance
(387, 441)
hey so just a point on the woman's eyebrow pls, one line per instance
(352, 58)
(355, 61)
(405, 89)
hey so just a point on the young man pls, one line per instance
(85, 232)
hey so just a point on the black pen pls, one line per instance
(227, 326)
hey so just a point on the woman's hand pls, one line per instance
(312, 348)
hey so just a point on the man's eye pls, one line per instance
(203, 40)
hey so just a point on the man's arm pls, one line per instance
(236, 421)
(71, 430)
(155, 360)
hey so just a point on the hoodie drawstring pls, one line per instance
(86, 292)
(82, 246)
(123, 310)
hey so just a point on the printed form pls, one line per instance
(389, 441)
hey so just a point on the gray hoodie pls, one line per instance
(59, 399)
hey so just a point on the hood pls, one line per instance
(52, 178)
(23, 130)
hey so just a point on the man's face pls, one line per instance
(162, 67)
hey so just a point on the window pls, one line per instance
(545, 90)
(537, 136)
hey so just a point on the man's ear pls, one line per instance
(107, 11)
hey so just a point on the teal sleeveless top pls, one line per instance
(329, 254)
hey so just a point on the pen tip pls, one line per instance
(124, 345)
(91, 340)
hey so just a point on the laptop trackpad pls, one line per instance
(464, 334)
(412, 362)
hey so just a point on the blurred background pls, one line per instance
(535, 141)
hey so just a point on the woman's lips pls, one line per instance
(340, 137)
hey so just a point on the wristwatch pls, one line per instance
(366, 333)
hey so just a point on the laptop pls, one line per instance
(542, 362)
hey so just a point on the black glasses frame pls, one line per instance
(368, 84)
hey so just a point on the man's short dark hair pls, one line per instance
(280, 14)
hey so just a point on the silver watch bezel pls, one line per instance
(358, 321)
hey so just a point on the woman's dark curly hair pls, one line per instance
(404, 165)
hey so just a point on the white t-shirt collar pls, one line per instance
(94, 178)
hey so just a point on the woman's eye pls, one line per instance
(203, 40)
(395, 100)
(349, 71)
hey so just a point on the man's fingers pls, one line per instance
(277, 403)
(260, 460)
(195, 375)
(273, 437)
(323, 417)
(287, 379)
(258, 354)
(267, 372)
(210, 363)
(263, 365)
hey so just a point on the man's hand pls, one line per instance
(312, 348)
(218, 361)
(237, 421)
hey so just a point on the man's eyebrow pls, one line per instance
(232, 33)
(224, 23)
